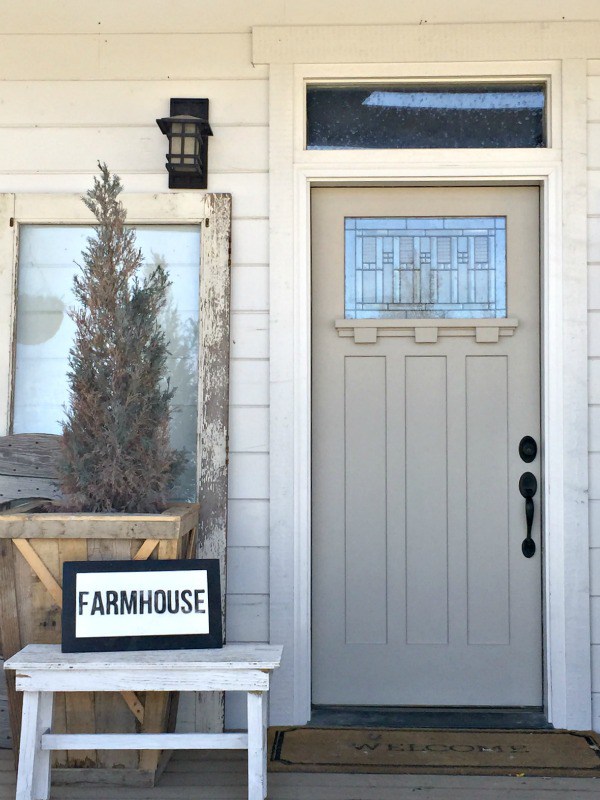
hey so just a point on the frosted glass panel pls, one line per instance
(47, 256)
(416, 267)
(397, 116)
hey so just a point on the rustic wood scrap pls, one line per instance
(40, 569)
(213, 410)
(146, 550)
(157, 703)
(22, 507)
(42, 620)
(29, 466)
(33, 455)
(31, 525)
(11, 637)
(80, 709)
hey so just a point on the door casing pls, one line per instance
(552, 397)
(560, 170)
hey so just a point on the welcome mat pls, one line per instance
(441, 752)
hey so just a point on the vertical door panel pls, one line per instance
(426, 501)
(487, 500)
(366, 519)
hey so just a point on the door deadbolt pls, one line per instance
(528, 449)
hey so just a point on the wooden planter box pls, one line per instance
(33, 547)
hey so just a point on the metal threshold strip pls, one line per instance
(429, 717)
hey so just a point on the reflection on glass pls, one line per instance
(389, 116)
(47, 256)
(422, 267)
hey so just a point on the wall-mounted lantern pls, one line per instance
(187, 130)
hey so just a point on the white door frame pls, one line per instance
(560, 170)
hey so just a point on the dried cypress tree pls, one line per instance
(115, 439)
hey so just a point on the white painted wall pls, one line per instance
(594, 370)
(85, 81)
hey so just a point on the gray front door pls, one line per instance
(426, 376)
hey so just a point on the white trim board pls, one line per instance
(351, 44)
(561, 172)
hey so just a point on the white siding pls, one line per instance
(73, 16)
(67, 102)
(594, 370)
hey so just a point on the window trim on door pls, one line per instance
(561, 174)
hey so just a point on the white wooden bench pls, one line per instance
(42, 670)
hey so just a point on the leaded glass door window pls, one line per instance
(425, 267)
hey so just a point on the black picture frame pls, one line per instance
(74, 644)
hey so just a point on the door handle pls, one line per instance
(528, 489)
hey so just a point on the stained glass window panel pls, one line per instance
(425, 267)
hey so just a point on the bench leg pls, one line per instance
(257, 745)
(33, 779)
(41, 772)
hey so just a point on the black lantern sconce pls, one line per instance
(187, 130)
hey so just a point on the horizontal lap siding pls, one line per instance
(73, 16)
(87, 98)
(594, 371)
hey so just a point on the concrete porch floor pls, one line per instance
(206, 776)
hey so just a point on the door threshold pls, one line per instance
(427, 717)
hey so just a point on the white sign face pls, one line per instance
(159, 603)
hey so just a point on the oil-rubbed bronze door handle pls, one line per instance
(528, 488)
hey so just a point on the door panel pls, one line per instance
(421, 594)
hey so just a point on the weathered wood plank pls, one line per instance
(29, 466)
(231, 657)
(35, 455)
(42, 620)
(11, 635)
(172, 524)
(12, 488)
(41, 570)
(213, 410)
(80, 709)
(135, 741)
(156, 711)
(8, 248)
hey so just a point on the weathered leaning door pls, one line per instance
(426, 377)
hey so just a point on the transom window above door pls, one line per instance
(447, 115)
(421, 267)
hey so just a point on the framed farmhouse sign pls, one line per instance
(141, 605)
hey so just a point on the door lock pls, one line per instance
(528, 449)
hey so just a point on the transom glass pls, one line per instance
(425, 116)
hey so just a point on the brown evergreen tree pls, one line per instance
(117, 455)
